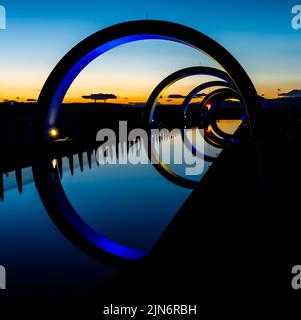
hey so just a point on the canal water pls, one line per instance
(130, 204)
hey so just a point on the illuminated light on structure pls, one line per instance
(208, 129)
(53, 132)
(54, 163)
(208, 106)
(50, 100)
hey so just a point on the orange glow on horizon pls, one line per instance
(30, 95)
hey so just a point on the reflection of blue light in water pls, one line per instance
(140, 211)
(58, 97)
(28, 233)
(102, 242)
(78, 223)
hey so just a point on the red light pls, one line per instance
(208, 105)
(208, 129)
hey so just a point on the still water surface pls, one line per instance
(130, 204)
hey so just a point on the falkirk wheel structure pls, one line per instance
(232, 82)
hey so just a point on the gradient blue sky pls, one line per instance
(257, 33)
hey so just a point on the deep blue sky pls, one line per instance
(258, 33)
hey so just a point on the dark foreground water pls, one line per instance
(128, 204)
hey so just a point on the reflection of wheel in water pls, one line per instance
(153, 122)
(205, 120)
(47, 179)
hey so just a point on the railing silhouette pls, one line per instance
(69, 155)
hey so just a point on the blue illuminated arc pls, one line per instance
(84, 61)
(101, 241)
(60, 85)
(79, 224)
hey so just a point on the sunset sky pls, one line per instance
(39, 34)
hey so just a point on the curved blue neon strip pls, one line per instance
(102, 242)
(94, 237)
(81, 64)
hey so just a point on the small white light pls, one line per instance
(54, 163)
